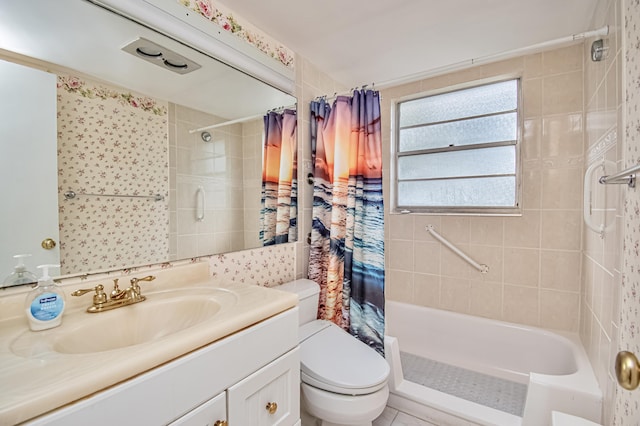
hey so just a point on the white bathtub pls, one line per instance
(554, 367)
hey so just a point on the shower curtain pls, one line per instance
(347, 237)
(279, 198)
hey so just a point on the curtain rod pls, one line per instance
(346, 93)
(240, 120)
(534, 48)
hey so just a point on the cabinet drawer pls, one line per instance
(207, 414)
(268, 397)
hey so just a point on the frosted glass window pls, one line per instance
(475, 101)
(478, 192)
(477, 162)
(458, 151)
(495, 128)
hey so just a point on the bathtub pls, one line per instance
(554, 368)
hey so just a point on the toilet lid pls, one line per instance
(335, 361)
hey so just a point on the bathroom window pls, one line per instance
(457, 151)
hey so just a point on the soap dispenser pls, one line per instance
(20, 274)
(45, 303)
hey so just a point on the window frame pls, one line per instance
(457, 210)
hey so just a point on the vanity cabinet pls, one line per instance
(210, 413)
(267, 397)
(237, 379)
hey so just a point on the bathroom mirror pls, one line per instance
(131, 162)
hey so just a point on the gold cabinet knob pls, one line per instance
(221, 423)
(272, 407)
(627, 370)
(48, 244)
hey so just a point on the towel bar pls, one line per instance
(627, 177)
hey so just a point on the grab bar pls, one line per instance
(588, 199)
(587, 208)
(627, 177)
(480, 267)
(70, 195)
(200, 195)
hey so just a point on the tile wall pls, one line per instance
(601, 260)
(217, 167)
(534, 259)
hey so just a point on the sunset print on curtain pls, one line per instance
(347, 238)
(279, 201)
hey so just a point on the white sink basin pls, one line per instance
(163, 314)
(136, 324)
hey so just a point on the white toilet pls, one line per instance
(343, 381)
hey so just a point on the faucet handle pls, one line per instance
(135, 290)
(135, 281)
(82, 291)
(99, 297)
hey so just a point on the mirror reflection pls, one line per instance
(121, 160)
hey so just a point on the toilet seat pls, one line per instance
(333, 360)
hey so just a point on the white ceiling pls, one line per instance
(365, 41)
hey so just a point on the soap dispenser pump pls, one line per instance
(20, 274)
(45, 303)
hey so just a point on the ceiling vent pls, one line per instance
(160, 56)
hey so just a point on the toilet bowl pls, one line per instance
(343, 381)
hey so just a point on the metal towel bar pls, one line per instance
(627, 177)
(480, 267)
(70, 195)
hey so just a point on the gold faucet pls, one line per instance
(117, 297)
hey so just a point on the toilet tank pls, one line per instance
(308, 294)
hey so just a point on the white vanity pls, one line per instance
(238, 364)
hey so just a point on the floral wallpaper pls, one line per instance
(627, 409)
(225, 20)
(268, 266)
(111, 141)
(264, 266)
(81, 88)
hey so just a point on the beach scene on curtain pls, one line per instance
(279, 200)
(347, 238)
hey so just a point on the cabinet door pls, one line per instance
(210, 413)
(268, 397)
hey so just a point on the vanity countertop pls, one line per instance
(35, 378)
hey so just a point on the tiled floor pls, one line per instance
(393, 417)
